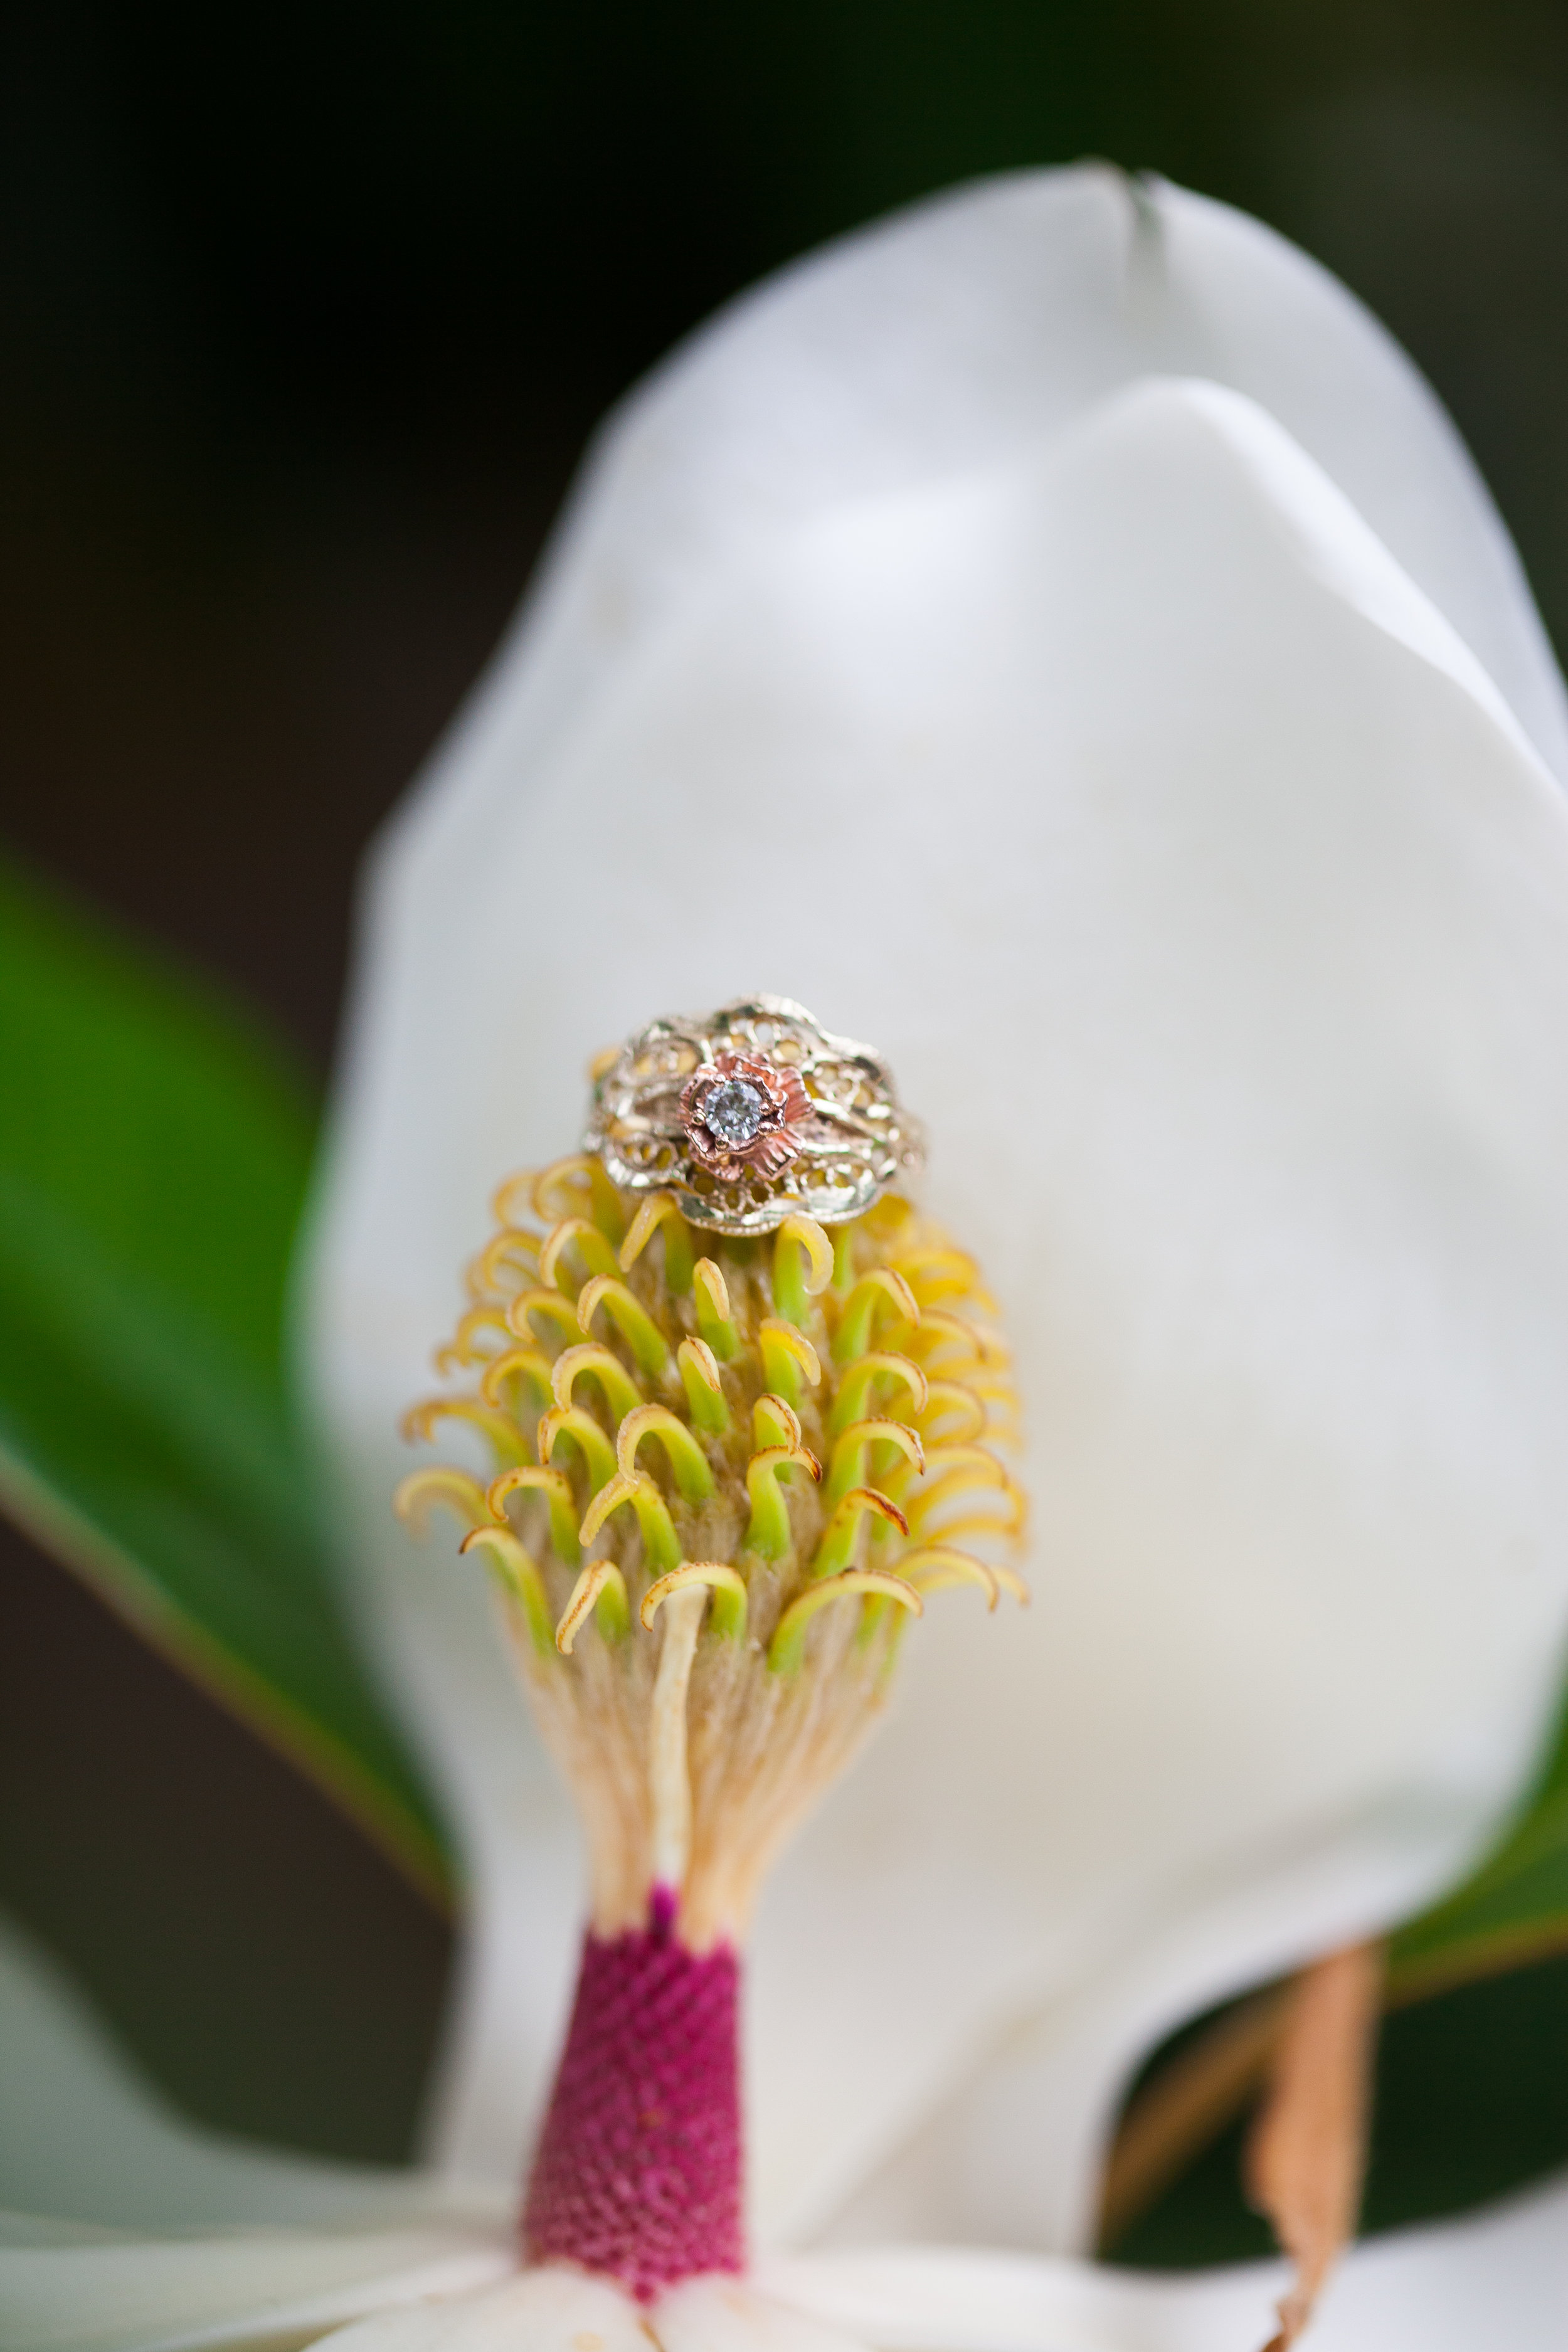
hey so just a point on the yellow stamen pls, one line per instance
(956, 1411)
(590, 1360)
(787, 1651)
(802, 1266)
(774, 1423)
(514, 1254)
(557, 1488)
(514, 1366)
(552, 1304)
(713, 1318)
(704, 1388)
(728, 1588)
(933, 1567)
(688, 1463)
(568, 1186)
(842, 1533)
(631, 1319)
(883, 1291)
(658, 1528)
(660, 1209)
(579, 1429)
(460, 1349)
(603, 1588)
(507, 1440)
(694, 1755)
(422, 1490)
(790, 1363)
(852, 1451)
(517, 1572)
(592, 1248)
(933, 1274)
(768, 1528)
(856, 1386)
(967, 1470)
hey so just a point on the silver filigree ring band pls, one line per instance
(750, 1115)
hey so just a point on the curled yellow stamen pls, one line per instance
(774, 1423)
(946, 1343)
(883, 1290)
(661, 1210)
(552, 1305)
(513, 1196)
(842, 1532)
(787, 1648)
(855, 1388)
(728, 1588)
(516, 1364)
(557, 1488)
(517, 1572)
(516, 1253)
(802, 1266)
(422, 1490)
(505, 1437)
(574, 1234)
(790, 1363)
(931, 1568)
(768, 1528)
(714, 1320)
(956, 1412)
(688, 1463)
(592, 1361)
(704, 1388)
(461, 1350)
(631, 1319)
(602, 1583)
(933, 1274)
(579, 1429)
(852, 1451)
(568, 1186)
(659, 1543)
(964, 1470)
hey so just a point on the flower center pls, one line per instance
(733, 1111)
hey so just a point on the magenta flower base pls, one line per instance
(637, 2173)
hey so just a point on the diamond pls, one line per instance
(733, 1111)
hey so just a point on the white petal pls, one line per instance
(81, 2135)
(264, 2292)
(1210, 904)
(536, 2311)
(1495, 2278)
(729, 2315)
(954, 336)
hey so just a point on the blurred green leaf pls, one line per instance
(1513, 1910)
(155, 1154)
(1470, 2102)
(1472, 2098)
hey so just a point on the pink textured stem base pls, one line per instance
(638, 2168)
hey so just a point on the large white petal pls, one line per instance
(731, 2315)
(953, 336)
(82, 2137)
(267, 2291)
(1209, 900)
(1499, 2277)
(535, 2311)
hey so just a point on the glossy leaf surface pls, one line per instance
(155, 1154)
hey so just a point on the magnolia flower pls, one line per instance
(1056, 635)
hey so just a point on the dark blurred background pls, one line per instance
(306, 313)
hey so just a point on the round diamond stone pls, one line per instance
(733, 1111)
